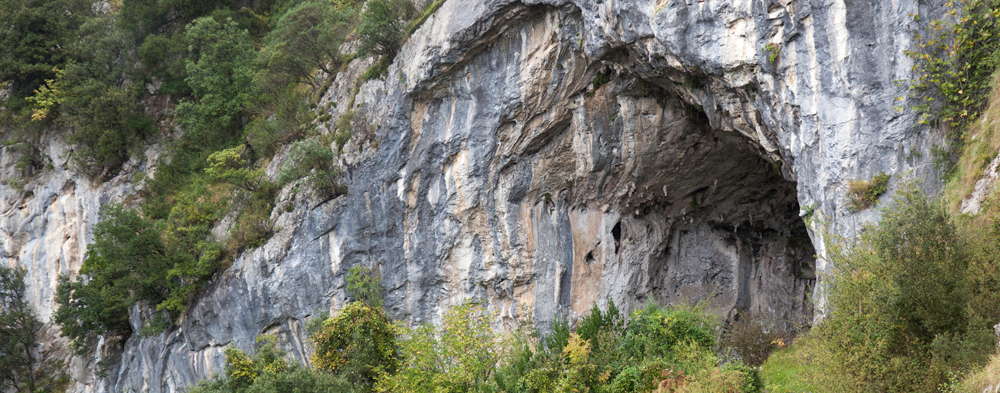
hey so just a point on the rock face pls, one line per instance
(543, 156)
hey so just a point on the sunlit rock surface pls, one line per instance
(541, 157)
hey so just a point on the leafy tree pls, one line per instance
(34, 36)
(364, 285)
(461, 357)
(98, 104)
(23, 367)
(231, 166)
(358, 344)
(383, 27)
(313, 161)
(220, 73)
(126, 264)
(305, 38)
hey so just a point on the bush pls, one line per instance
(899, 319)
(23, 367)
(382, 27)
(127, 263)
(863, 194)
(364, 285)
(658, 332)
(305, 38)
(36, 37)
(955, 63)
(313, 161)
(268, 371)
(358, 344)
(657, 348)
(103, 110)
(220, 74)
(461, 356)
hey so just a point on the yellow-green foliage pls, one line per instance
(359, 344)
(791, 369)
(268, 370)
(903, 305)
(46, 97)
(954, 62)
(773, 51)
(980, 146)
(243, 370)
(863, 194)
(985, 380)
(460, 357)
(364, 285)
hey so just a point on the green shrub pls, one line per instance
(220, 73)
(955, 62)
(736, 378)
(364, 285)
(773, 51)
(283, 117)
(899, 319)
(269, 371)
(658, 332)
(313, 161)
(382, 27)
(36, 37)
(305, 38)
(863, 194)
(126, 263)
(23, 366)
(461, 356)
(358, 344)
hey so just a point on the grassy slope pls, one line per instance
(788, 370)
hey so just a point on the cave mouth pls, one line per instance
(734, 240)
(710, 217)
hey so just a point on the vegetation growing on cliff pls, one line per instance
(360, 350)
(24, 366)
(912, 303)
(223, 86)
(914, 300)
(662, 349)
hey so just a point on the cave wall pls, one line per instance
(541, 156)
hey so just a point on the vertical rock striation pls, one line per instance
(542, 156)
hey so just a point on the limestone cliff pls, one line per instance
(540, 156)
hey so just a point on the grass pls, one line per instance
(863, 194)
(424, 15)
(787, 370)
(986, 379)
(980, 146)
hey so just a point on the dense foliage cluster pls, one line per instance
(24, 366)
(955, 62)
(222, 85)
(912, 303)
(656, 349)
(269, 371)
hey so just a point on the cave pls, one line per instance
(667, 208)
(560, 179)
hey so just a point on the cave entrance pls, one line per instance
(721, 229)
(691, 214)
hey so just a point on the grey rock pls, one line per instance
(543, 156)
